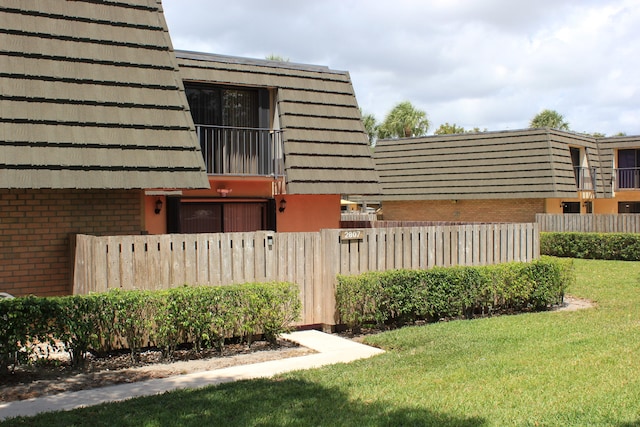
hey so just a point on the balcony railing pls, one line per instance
(585, 178)
(627, 178)
(241, 151)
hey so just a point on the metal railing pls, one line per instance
(627, 178)
(241, 151)
(585, 178)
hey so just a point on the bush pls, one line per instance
(205, 316)
(608, 246)
(403, 296)
(24, 323)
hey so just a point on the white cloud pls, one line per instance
(491, 64)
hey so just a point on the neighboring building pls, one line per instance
(507, 176)
(621, 157)
(281, 142)
(97, 137)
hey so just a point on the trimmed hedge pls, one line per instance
(404, 296)
(609, 246)
(203, 316)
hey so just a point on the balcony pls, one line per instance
(627, 178)
(241, 151)
(585, 178)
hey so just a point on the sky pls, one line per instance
(490, 64)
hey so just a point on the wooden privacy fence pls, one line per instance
(589, 223)
(311, 260)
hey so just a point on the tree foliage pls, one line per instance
(549, 119)
(452, 129)
(370, 126)
(449, 129)
(274, 57)
(404, 121)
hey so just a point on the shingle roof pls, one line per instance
(325, 145)
(607, 148)
(91, 98)
(530, 163)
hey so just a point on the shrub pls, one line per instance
(76, 319)
(402, 296)
(279, 308)
(361, 299)
(608, 246)
(205, 316)
(24, 323)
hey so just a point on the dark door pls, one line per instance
(215, 217)
(201, 218)
(571, 207)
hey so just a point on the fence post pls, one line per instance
(324, 292)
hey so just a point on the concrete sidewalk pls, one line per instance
(331, 349)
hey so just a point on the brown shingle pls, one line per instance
(531, 163)
(93, 98)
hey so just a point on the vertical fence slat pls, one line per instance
(202, 259)
(237, 255)
(381, 249)
(99, 272)
(141, 274)
(226, 259)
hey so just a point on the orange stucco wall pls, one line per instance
(155, 223)
(237, 187)
(308, 212)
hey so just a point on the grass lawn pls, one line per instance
(577, 368)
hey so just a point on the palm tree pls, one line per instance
(404, 121)
(549, 119)
(370, 126)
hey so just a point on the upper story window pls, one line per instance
(585, 176)
(627, 172)
(231, 107)
(233, 126)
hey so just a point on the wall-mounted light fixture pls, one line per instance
(283, 205)
(158, 206)
(223, 191)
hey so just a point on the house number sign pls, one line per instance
(351, 235)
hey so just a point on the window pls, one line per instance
(576, 161)
(570, 207)
(628, 207)
(233, 126)
(628, 167)
(588, 206)
(231, 107)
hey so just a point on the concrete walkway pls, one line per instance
(331, 349)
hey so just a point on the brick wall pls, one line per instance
(496, 210)
(35, 226)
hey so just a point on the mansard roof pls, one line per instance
(528, 163)
(92, 98)
(326, 148)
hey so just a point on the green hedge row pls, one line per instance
(610, 246)
(403, 296)
(204, 316)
